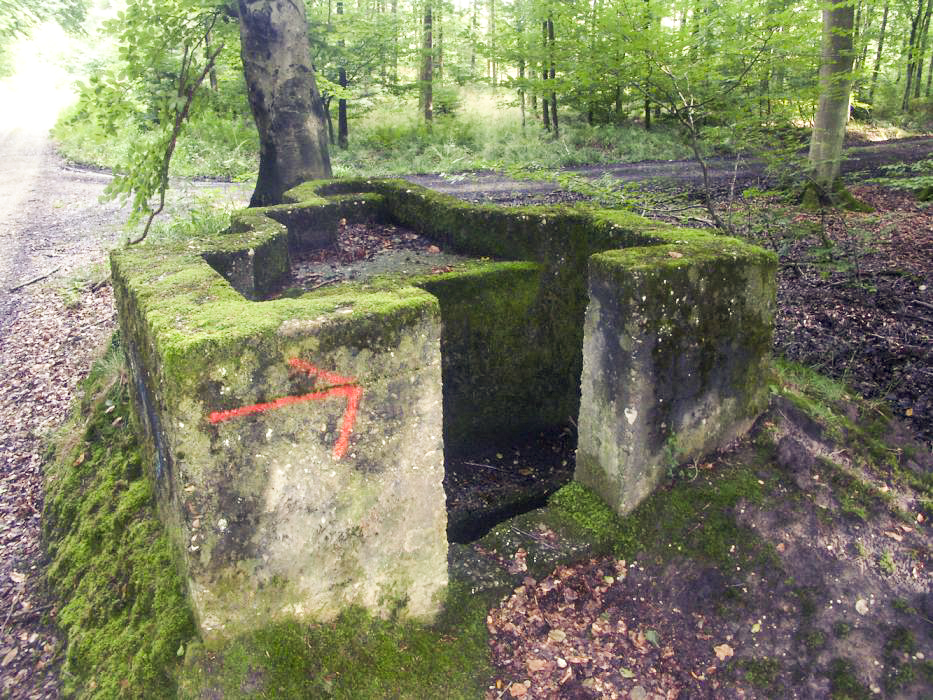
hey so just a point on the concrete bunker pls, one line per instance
(298, 443)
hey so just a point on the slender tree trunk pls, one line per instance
(283, 96)
(427, 67)
(521, 89)
(545, 108)
(836, 62)
(493, 67)
(911, 54)
(212, 76)
(394, 72)
(929, 75)
(474, 34)
(330, 120)
(550, 35)
(343, 129)
(877, 68)
(922, 42)
(439, 67)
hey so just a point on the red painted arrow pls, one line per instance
(342, 386)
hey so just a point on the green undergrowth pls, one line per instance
(355, 656)
(122, 605)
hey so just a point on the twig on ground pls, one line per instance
(37, 278)
(486, 466)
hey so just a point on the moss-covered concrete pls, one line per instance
(277, 509)
(676, 346)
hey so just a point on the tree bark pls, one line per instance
(343, 128)
(912, 53)
(877, 68)
(545, 108)
(550, 36)
(922, 43)
(427, 67)
(283, 96)
(832, 114)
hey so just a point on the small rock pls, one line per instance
(793, 456)
(861, 607)
(638, 693)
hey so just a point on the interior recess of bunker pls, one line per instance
(511, 357)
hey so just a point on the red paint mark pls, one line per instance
(341, 386)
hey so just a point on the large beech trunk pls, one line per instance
(284, 98)
(836, 61)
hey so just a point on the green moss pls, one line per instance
(355, 656)
(122, 606)
(695, 519)
(844, 684)
(900, 670)
(761, 673)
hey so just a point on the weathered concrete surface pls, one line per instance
(288, 513)
(297, 442)
(675, 357)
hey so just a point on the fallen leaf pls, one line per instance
(906, 528)
(675, 254)
(756, 628)
(535, 665)
(10, 655)
(17, 577)
(80, 460)
(894, 536)
(434, 249)
(626, 673)
(652, 636)
(557, 635)
(861, 607)
(723, 652)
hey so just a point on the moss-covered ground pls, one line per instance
(122, 605)
(764, 542)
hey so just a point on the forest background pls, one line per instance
(439, 86)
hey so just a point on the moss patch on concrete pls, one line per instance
(123, 607)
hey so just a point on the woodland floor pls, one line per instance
(861, 311)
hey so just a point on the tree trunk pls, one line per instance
(521, 89)
(832, 114)
(283, 96)
(877, 68)
(911, 54)
(212, 76)
(427, 67)
(922, 42)
(545, 109)
(439, 67)
(343, 129)
(550, 36)
(493, 67)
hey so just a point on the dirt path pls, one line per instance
(490, 186)
(52, 224)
